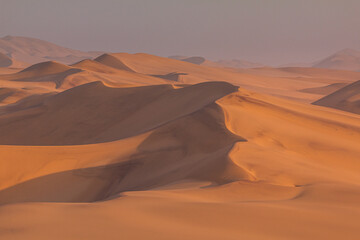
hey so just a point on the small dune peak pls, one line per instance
(49, 67)
(112, 61)
(92, 65)
(85, 61)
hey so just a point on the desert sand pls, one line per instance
(136, 146)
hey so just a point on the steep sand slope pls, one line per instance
(347, 59)
(243, 166)
(346, 98)
(33, 50)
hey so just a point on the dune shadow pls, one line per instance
(79, 185)
(192, 147)
(95, 113)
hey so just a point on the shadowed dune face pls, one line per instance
(100, 113)
(346, 98)
(325, 90)
(166, 155)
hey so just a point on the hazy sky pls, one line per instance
(267, 31)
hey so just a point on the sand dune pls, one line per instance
(347, 59)
(45, 68)
(31, 50)
(346, 98)
(95, 66)
(325, 90)
(137, 146)
(194, 60)
(110, 60)
(235, 63)
(284, 82)
(7, 62)
(106, 123)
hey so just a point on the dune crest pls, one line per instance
(110, 60)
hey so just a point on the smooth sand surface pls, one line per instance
(114, 150)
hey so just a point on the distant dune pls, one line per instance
(7, 62)
(347, 59)
(221, 63)
(31, 50)
(239, 64)
(112, 61)
(324, 90)
(346, 98)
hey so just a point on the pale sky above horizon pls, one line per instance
(266, 31)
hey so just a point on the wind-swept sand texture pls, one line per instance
(121, 149)
(347, 98)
